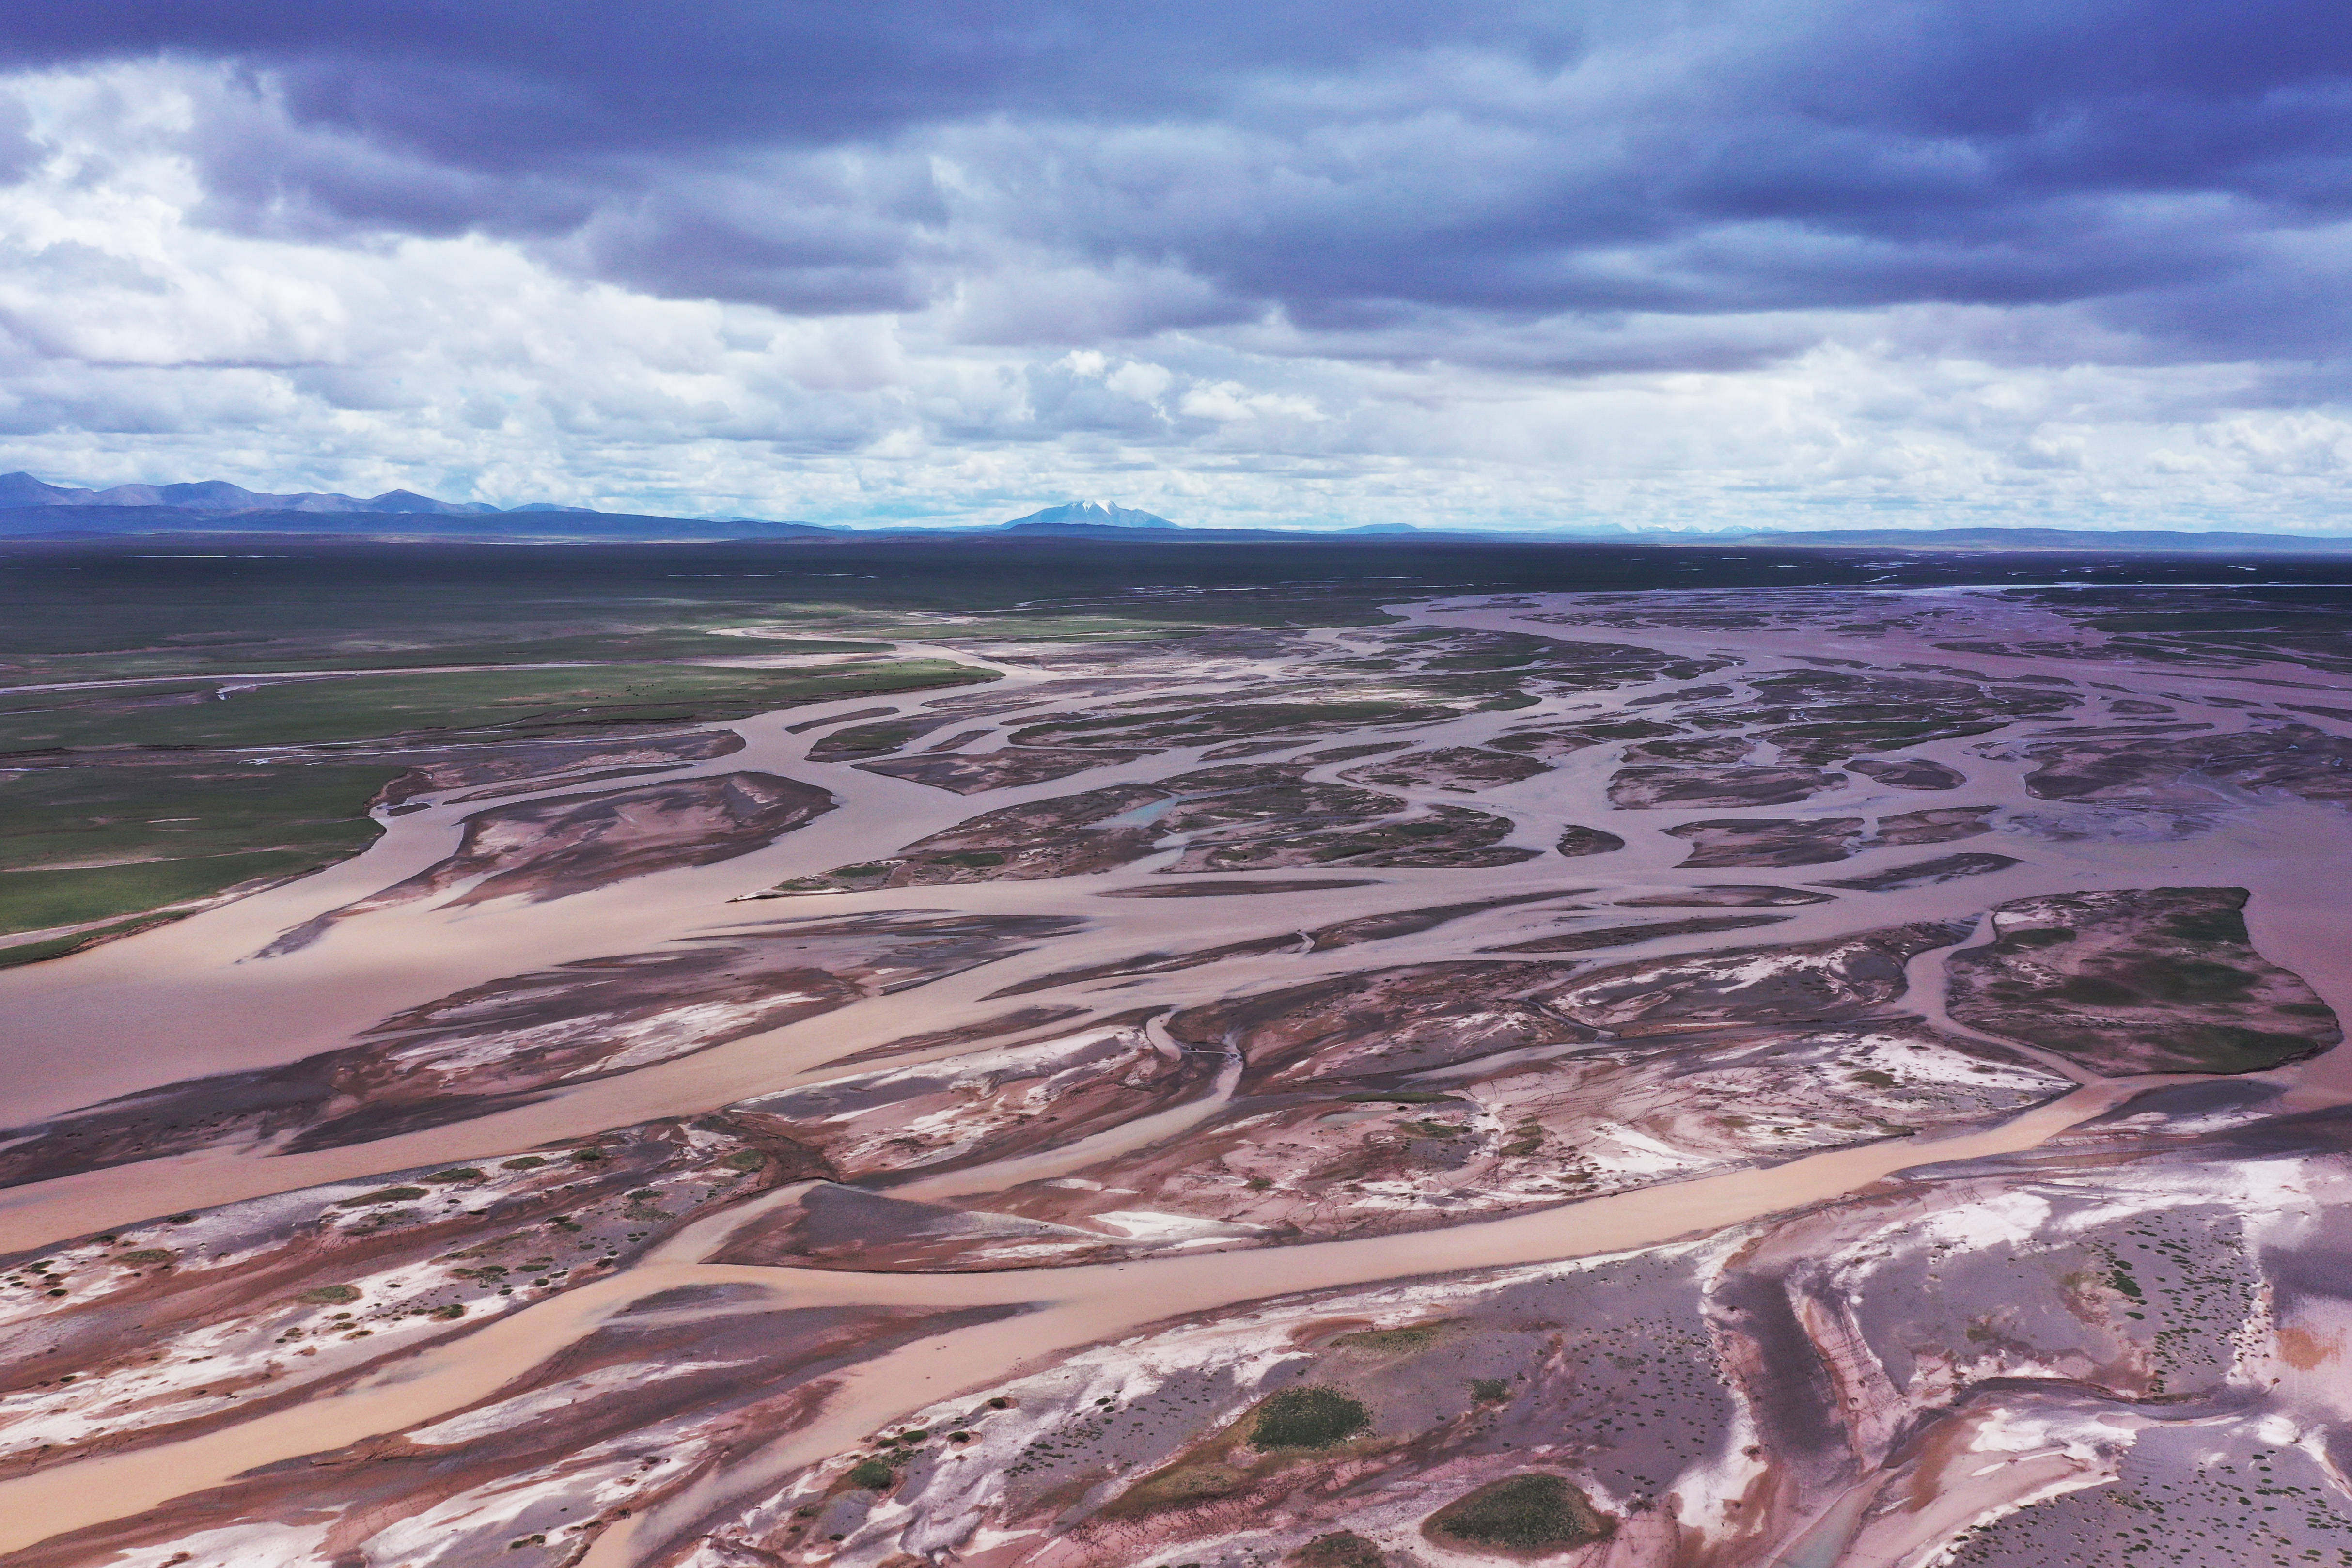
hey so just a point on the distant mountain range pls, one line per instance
(33, 509)
(22, 490)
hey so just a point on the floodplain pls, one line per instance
(1119, 1059)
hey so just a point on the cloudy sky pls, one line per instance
(1705, 263)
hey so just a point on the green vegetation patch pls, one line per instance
(1310, 1418)
(1524, 1516)
(1287, 1428)
(83, 843)
(330, 1294)
(1394, 1342)
(36, 900)
(59, 946)
(1340, 1548)
(873, 1475)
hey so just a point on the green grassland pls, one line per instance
(263, 653)
(59, 818)
(474, 703)
(79, 844)
(125, 800)
(120, 801)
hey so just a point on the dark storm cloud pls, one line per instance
(490, 82)
(1368, 173)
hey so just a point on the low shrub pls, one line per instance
(382, 1196)
(1524, 1513)
(1310, 1418)
(1340, 1548)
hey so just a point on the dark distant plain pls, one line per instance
(58, 596)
